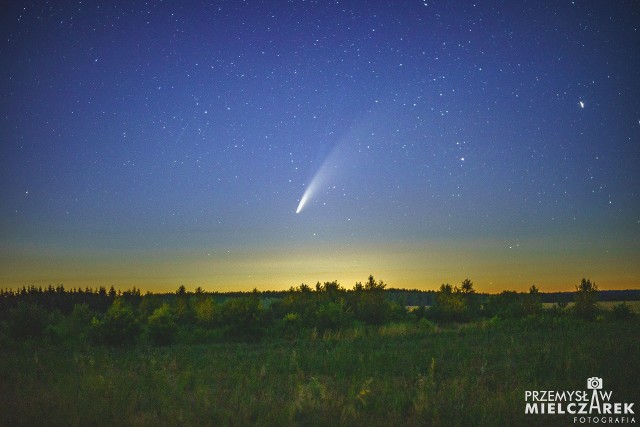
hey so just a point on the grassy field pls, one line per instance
(399, 374)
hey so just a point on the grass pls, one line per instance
(397, 374)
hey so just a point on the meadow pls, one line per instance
(411, 374)
(323, 357)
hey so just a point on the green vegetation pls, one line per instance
(586, 299)
(323, 356)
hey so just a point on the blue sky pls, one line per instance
(165, 143)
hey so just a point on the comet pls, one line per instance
(319, 180)
(304, 199)
(332, 164)
(346, 152)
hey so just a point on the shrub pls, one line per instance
(161, 326)
(371, 307)
(425, 326)
(332, 315)
(118, 327)
(532, 302)
(506, 305)
(27, 321)
(454, 304)
(418, 313)
(586, 298)
(621, 312)
(290, 325)
(184, 313)
(243, 317)
(80, 318)
(206, 311)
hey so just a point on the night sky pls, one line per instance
(153, 144)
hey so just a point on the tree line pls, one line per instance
(111, 317)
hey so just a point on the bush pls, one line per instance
(118, 327)
(506, 305)
(206, 312)
(621, 312)
(242, 317)
(372, 308)
(27, 321)
(455, 304)
(80, 318)
(586, 298)
(332, 315)
(290, 325)
(425, 326)
(161, 326)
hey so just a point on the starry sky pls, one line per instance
(160, 143)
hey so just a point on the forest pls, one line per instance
(322, 355)
(119, 318)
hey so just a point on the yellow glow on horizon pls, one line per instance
(491, 264)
